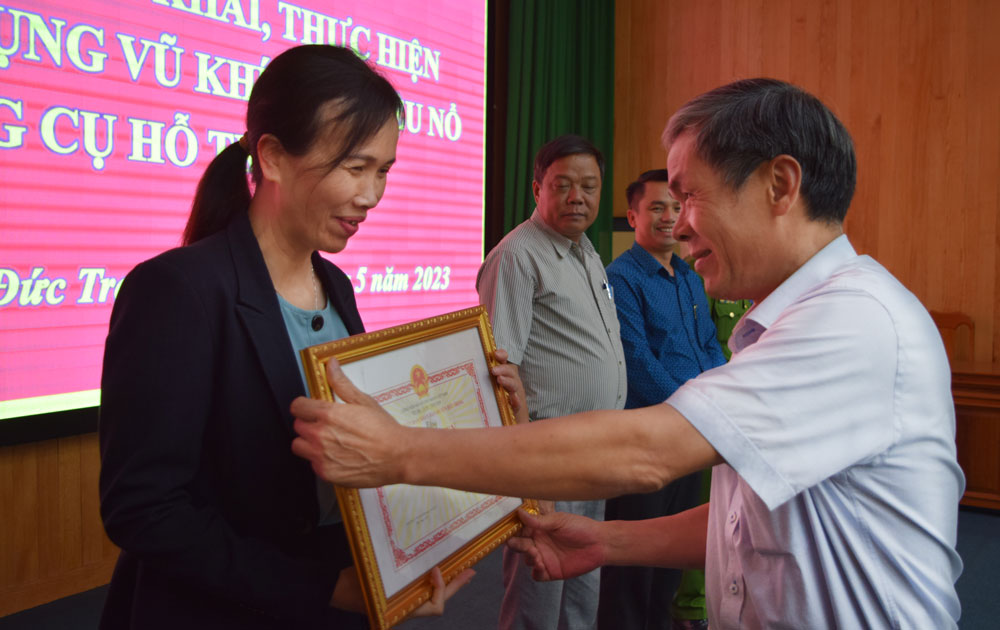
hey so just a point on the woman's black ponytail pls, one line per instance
(223, 191)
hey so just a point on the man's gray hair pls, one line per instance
(739, 126)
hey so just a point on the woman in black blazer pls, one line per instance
(220, 524)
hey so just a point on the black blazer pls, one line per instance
(215, 516)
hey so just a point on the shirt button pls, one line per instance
(734, 589)
(732, 517)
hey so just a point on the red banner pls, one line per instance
(110, 111)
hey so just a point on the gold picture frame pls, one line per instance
(433, 372)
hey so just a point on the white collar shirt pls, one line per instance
(837, 505)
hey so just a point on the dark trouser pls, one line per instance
(639, 598)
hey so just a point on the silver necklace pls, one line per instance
(317, 320)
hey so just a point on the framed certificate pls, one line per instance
(431, 373)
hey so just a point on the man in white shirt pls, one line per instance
(835, 488)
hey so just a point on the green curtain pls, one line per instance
(560, 80)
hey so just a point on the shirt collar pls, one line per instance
(762, 316)
(650, 265)
(561, 243)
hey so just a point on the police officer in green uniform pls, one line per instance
(725, 314)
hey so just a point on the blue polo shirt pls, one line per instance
(666, 327)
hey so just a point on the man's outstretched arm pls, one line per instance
(590, 455)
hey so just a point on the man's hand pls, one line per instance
(354, 443)
(559, 546)
(509, 379)
(546, 506)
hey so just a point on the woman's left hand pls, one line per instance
(347, 591)
(442, 592)
(508, 378)
(348, 596)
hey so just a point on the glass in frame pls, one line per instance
(430, 373)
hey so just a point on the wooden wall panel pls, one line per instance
(916, 84)
(976, 389)
(52, 542)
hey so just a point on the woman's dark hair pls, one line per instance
(287, 101)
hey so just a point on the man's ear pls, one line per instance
(630, 215)
(535, 189)
(270, 154)
(785, 182)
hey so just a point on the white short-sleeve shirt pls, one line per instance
(837, 505)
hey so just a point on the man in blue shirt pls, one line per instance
(668, 337)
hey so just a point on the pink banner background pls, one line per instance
(65, 211)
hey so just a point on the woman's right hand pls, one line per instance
(347, 594)
(442, 592)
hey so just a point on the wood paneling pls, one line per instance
(914, 82)
(52, 542)
(976, 389)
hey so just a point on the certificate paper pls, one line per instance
(432, 374)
